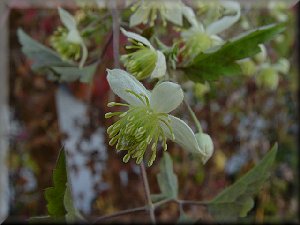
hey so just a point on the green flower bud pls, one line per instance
(268, 77)
(201, 89)
(262, 55)
(248, 67)
(206, 144)
(282, 66)
(196, 43)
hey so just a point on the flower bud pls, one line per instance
(282, 66)
(201, 89)
(262, 55)
(195, 43)
(248, 67)
(205, 143)
(268, 77)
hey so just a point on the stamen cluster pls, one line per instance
(140, 61)
(137, 128)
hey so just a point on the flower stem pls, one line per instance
(116, 32)
(198, 125)
(147, 193)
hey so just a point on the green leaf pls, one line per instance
(69, 74)
(48, 61)
(237, 200)
(73, 215)
(55, 195)
(42, 56)
(221, 60)
(167, 180)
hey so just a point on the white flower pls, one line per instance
(73, 35)
(197, 39)
(147, 120)
(143, 60)
(170, 10)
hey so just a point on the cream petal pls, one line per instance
(139, 16)
(160, 66)
(137, 37)
(224, 23)
(67, 19)
(74, 37)
(173, 12)
(120, 81)
(166, 97)
(190, 15)
(184, 136)
(205, 143)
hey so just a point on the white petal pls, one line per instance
(74, 37)
(205, 143)
(137, 37)
(67, 19)
(282, 66)
(139, 16)
(222, 24)
(190, 15)
(173, 12)
(160, 66)
(119, 81)
(166, 97)
(184, 136)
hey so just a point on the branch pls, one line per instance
(120, 213)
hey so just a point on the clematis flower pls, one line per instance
(198, 39)
(67, 40)
(147, 10)
(143, 60)
(147, 120)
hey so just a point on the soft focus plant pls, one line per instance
(142, 124)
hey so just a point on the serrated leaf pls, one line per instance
(48, 61)
(167, 180)
(237, 200)
(221, 60)
(73, 214)
(55, 195)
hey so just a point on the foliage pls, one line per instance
(178, 58)
(237, 200)
(167, 180)
(60, 203)
(221, 60)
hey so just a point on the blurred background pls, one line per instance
(243, 116)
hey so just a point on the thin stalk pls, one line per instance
(147, 193)
(120, 213)
(197, 123)
(116, 32)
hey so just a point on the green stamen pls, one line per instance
(137, 128)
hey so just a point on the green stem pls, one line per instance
(198, 125)
(147, 193)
